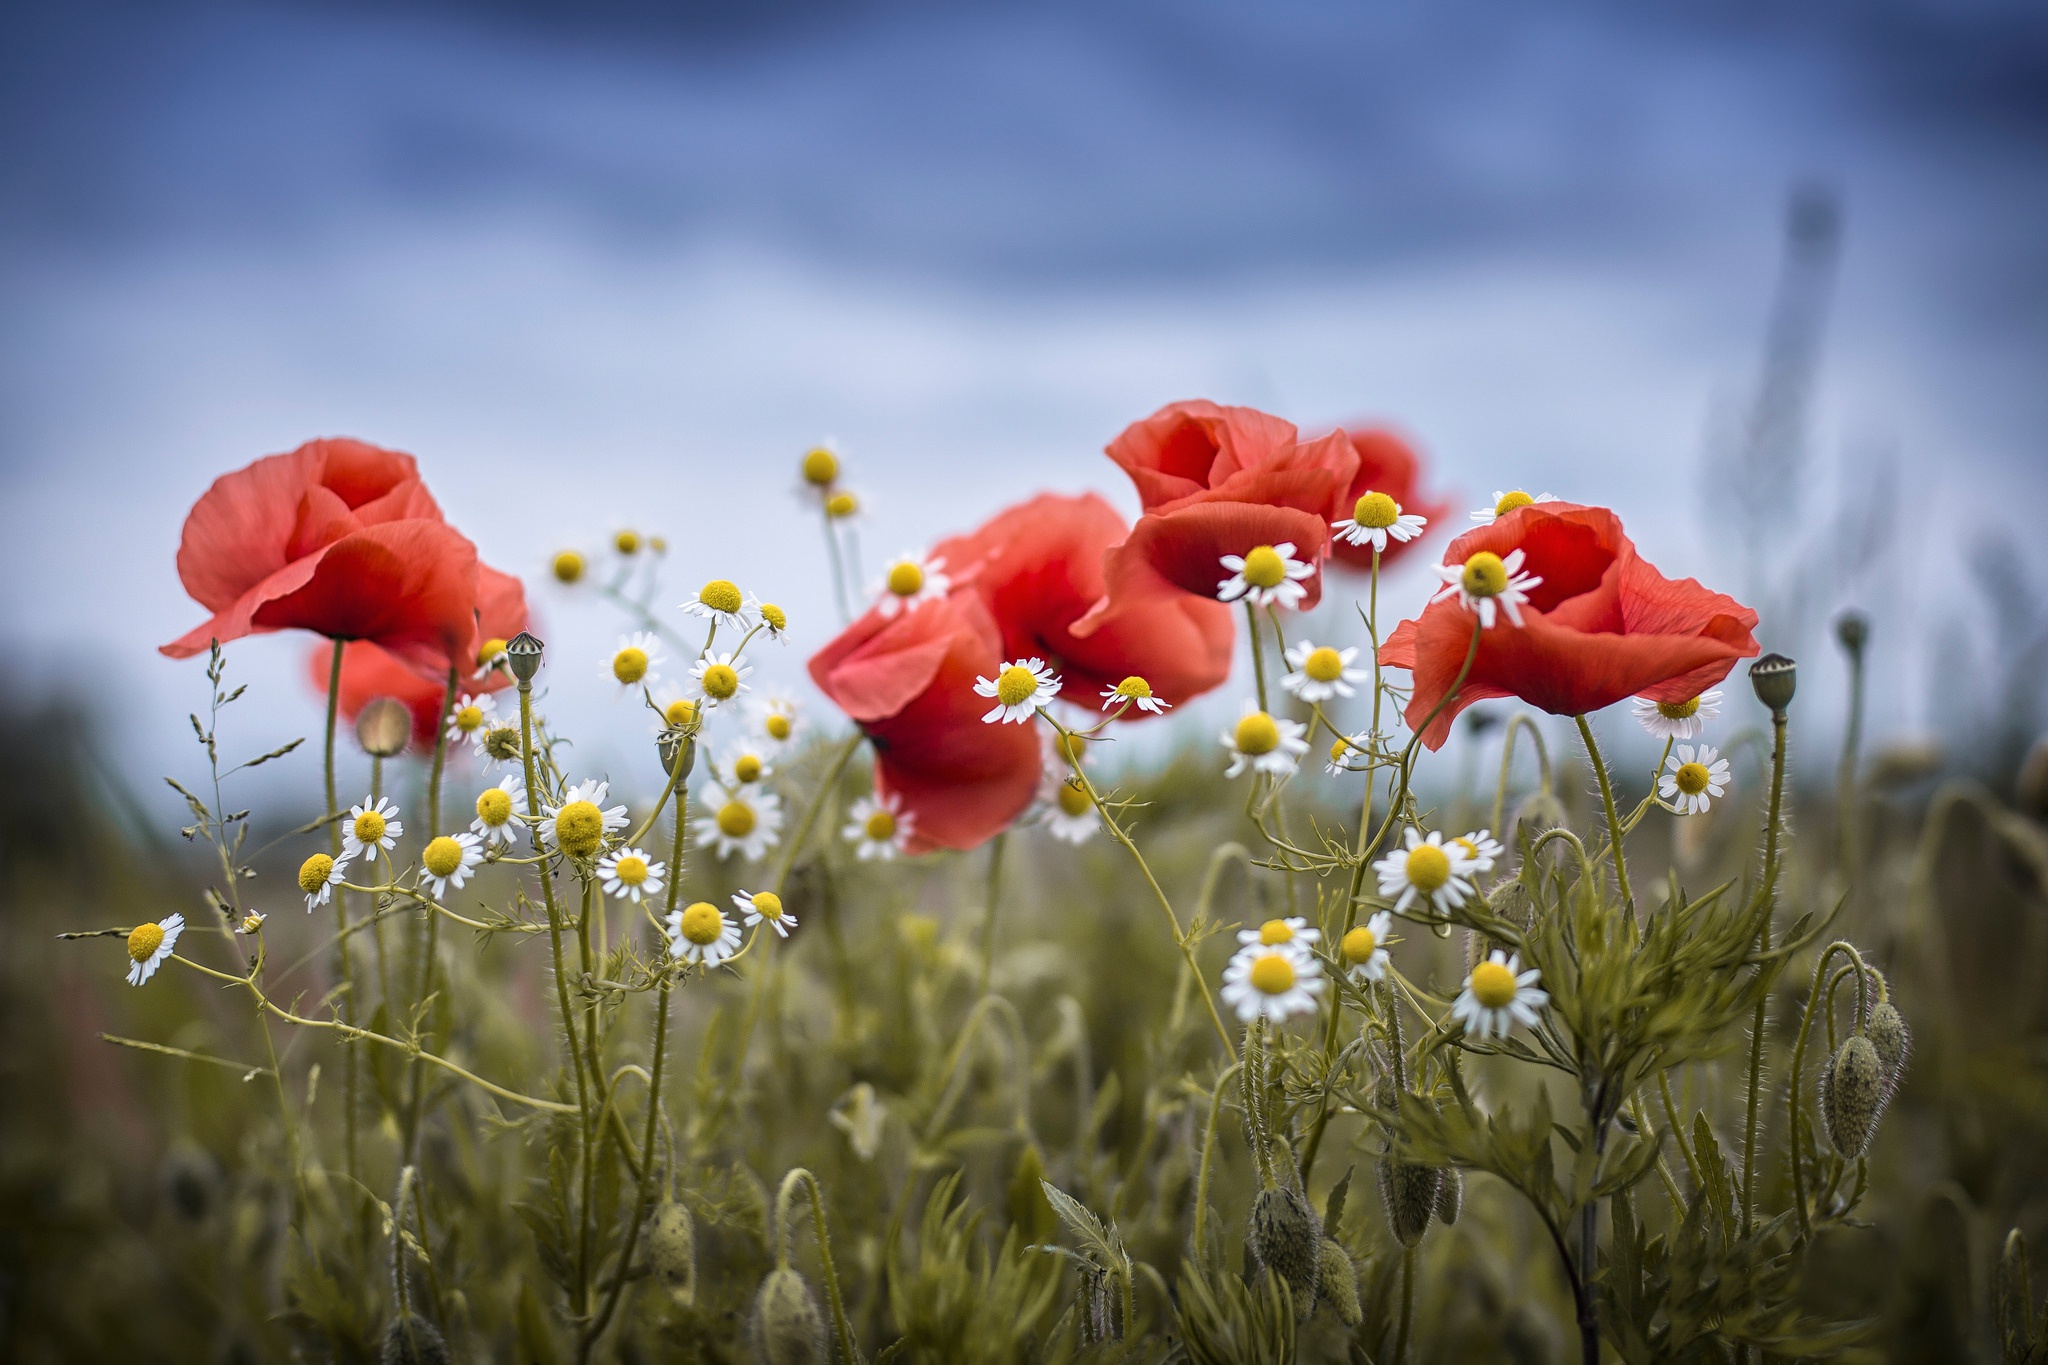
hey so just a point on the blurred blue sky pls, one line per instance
(621, 267)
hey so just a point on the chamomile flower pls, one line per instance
(496, 811)
(1506, 502)
(1485, 582)
(1343, 752)
(1480, 848)
(1678, 719)
(720, 677)
(702, 933)
(1136, 691)
(471, 717)
(447, 861)
(1069, 815)
(721, 602)
(490, 657)
(1498, 995)
(909, 582)
(1276, 983)
(678, 710)
(636, 662)
(775, 720)
(318, 876)
(1427, 869)
(1320, 672)
(1364, 949)
(369, 827)
(1278, 933)
(251, 922)
(1693, 777)
(149, 945)
(879, 827)
(746, 822)
(765, 907)
(499, 742)
(1019, 690)
(578, 825)
(747, 766)
(819, 468)
(1375, 519)
(629, 875)
(1264, 743)
(1269, 574)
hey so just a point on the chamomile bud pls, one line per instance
(383, 726)
(1285, 1236)
(1853, 1093)
(1888, 1033)
(1409, 1194)
(1337, 1282)
(410, 1339)
(1450, 1195)
(820, 467)
(786, 1327)
(672, 1251)
(567, 566)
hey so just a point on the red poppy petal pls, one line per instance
(1191, 445)
(1185, 547)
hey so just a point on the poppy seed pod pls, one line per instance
(382, 727)
(665, 747)
(1409, 1194)
(1852, 1096)
(1338, 1283)
(672, 1250)
(1888, 1033)
(1775, 678)
(522, 654)
(1286, 1237)
(1852, 628)
(410, 1339)
(786, 1327)
(1450, 1195)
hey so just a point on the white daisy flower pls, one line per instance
(702, 933)
(1427, 869)
(491, 657)
(1278, 933)
(879, 826)
(1485, 581)
(747, 766)
(637, 660)
(678, 709)
(1498, 995)
(578, 825)
(720, 677)
(1364, 949)
(1678, 719)
(1269, 574)
(149, 945)
(1266, 743)
(251, 922)
(1069, 815)
(1319, 672)
(1506, 502)
(1019, 690)
(629, 875)
(721, 602)
(1480, 848)
(746, 822)
(496, 811)
(369, 827)
(909, 582)
(471, 717)
(774, 619)
(1274, 982)
(498, 742)
(765, 906)
(1691, 778)
(319, 875)
(1344, 752)
(775, 720)
(1375, 519)
(447, 861)
(1137, 692)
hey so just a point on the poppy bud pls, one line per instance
(1852, 628)
(672, 1250)
(1409, 1194)
(786, 1327)
(1888, 1033)
(382, 727)
(1775, 678)
(1338, 1283)
(1852, 1096)
(523, 655)
(1450, 1195)
(410, 1339)
(1286, 1238)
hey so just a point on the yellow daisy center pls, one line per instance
(680, 712)
(1510, 501)
(906, 578)
(841, 505)
(494, 807)
(313, 872)
(778, 726)
(1074, 801)
(721, 683)
(1679, 710)
(627, 542)
(880, 826)
(629, 665)
(747, 768)
(1376, 511)
(1273, 974)
(1493, 985)
(1257, 734)
(1015, 685)
(821, 466)
(1691, 778)
(630, 870)
(721, 594)
(1471, 849)
(1428, 867)
(1324, 665)
(768, 905)
(568, 566)
(442, 856)
(776, 617)
(145, 939)
(1135, 688)
(735, 819)
(702, 923)
(468, 718)
(369, 827)
(579, 828)
(1339, 748)
(1486, 575)
(1359, 945)
(493, 647)
(1275, 931)
(1264, 568)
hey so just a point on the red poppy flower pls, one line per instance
(1601, 626)
(1039, 567)
(908, 681)
(1386, 464)
(337, 537)
(1188, 447)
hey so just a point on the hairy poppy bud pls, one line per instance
(1450, 1195)
(786, 1327)
(672, 1250)
(382, 727)
(522, 654)
(1409, 1193)
(410, 1339)
(1852, 628)
(1775, 678)
(1888, 1033)
(1853, 1093)
(1285, 1237)
(1338, 1283)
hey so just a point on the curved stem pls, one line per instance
(1517, 722)
(784, 1197)
(1208, 1158)
(1614, 830)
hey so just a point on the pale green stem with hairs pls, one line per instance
(1614, 830)
(1208, 1158)
(432, 947)
(348, 983)
(1516, 723)
(1823, 1000)
(1251, 621)
(1763, 999)
(784, 1197)
(993, 897)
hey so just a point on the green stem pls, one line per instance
(1208, 1159)
(348, 981)
(994, 898)
(1846, 804)
(1407, 1305)
(783, 1198)
(1614, 832)
(1251, 621)
(1763, 999)
(431, 950)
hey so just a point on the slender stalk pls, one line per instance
(348, 984)
(1761, 1019)
(993, 896)
(784, 1197)
(431, 949)
(1589, 1256)
(838, 572)
(1614, 831)
(1251, 621)
(1208, 1158)
(1407, 1305)
(1846, 804)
